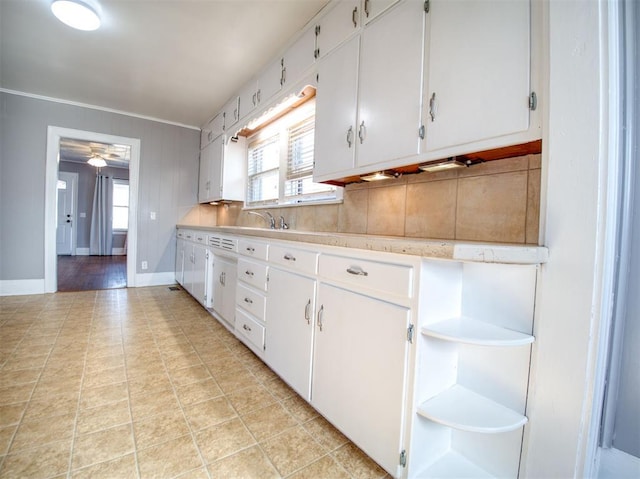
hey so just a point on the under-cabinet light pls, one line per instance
(78, 14)
(439, 165)
(377, 176)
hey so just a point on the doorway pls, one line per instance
(54, 137)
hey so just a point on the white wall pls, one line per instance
(568, 312)
(168, 180)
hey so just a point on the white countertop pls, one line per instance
(428, 248)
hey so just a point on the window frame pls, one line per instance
(281, 127)
(117, 181)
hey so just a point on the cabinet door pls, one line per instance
(270, 81)
(299, 58)
(248, 98)
(336, 136)
(211, 130)
(224, 284)
(179, 265)
(290, 328)
(199, 274)
(340, 22)
(373, 8)
(231, 114)
(390, 85)
(187, 276)
(203, 178)
(359, 370)
(479, 78)
(215, 168)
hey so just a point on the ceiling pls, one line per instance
(174, 60)
(78, 151)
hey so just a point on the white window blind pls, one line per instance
(120, 217)
(263, 169)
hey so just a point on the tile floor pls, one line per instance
(144, 383)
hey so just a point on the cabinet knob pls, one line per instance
(350, 136)
(307, 310)
(289, 257)
(248, 273)
(320, 316)
(357, 270)
(366, 8)
(354, 17)
(362, 132)
(246, 328)
(248, 300)
(433, 106)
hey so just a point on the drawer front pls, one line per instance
(200, 237)
(296, 259)
(253, 249)
(253, 273)
(189, 235)
(180, 233)
(386, 278)
(249, 330)
(251, 301)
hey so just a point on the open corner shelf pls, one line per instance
(454, 465)
(471, 331)
(463, 409)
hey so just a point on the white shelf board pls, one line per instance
(461, 408)
(471, 331)
(454, 465)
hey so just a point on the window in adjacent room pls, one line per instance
(280, 161)
(120, 220)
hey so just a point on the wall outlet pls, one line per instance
(145, 265)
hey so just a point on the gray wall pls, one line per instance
(168, 179)
(86, 186)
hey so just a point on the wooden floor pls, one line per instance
(84, 273)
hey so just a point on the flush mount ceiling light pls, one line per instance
(78, 14)
(439, 165)
(379, 175)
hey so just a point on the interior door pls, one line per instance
(67, 192)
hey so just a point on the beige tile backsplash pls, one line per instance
(497, 201)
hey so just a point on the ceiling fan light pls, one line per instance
(78, 14)
(97, 162)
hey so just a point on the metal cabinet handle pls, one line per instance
(248, 300)
(283, 75)
(307, 309)
(433, 106)
(289, 257)
(320, 316)
(350, 136)
(366, 8)
(221, 279)
(248, 273)
(354, 17)
(210, 135)
(254, 98)
(362, 132)
(357, 270)
(250, 249)
(246, 328)
(258, 95)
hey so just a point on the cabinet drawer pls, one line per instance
(296, 259)
(200, 237)
(252, 273)
(254, 249)
(189, 235)
(180, 233)
(249, 330)
(251, 301)
(389, 278)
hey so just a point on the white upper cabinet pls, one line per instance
(231, 114)
(390, 85)
(372, 8)
(371, 115)
(212, 130)
(270, 81)
(222, 170)
(298, 58)
(248, 98)
(341, 21)
(478, 83)
(336, 105)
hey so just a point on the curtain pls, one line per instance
(101, 228)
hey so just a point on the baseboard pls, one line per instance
(21, 287)
(155, 279)
(114, 251)
(82, 251)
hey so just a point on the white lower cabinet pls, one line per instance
(224, 278)
(359, 370)
(290, 319)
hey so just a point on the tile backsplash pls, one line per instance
(497, 201)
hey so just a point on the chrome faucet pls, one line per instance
(269, 219)
(283, 223)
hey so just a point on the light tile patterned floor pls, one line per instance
(145, 383)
